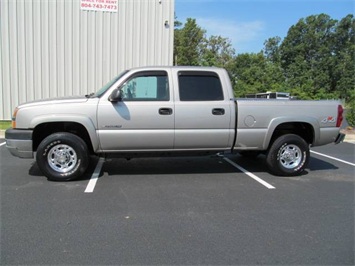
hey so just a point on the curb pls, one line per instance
(348, 137)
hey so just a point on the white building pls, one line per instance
(52, 48)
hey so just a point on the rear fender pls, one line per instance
(274, 123)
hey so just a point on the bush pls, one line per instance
(350, 116)
(350, 109)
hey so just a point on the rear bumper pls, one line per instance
(340, 138)
(19, 142)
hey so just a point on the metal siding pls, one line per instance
(52, 38)
(60, 48)
(37, 55)
(151, 34)
(76, 49)
(2, 107)
(113, 43)
(5, 63)
(83, 80)
(21, 50)
(51, 48)
(1, 82)
(45, 51)
(91, 52)
(68, 48)
(13, 51)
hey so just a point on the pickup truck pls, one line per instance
(161, 111)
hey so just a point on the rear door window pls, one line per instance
(200, 86)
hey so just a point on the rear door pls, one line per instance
(202, 111)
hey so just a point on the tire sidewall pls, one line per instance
(274, 155)
(52, 141)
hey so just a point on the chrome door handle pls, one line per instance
(165, 111)
(218, 111)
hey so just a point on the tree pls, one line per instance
(217, 51)
(177, 23)
(316, 60)
(253, 73)
(272, 49)
(192, 47)
(188, 42)
(343, 65)
(350, 114)
(306, 56)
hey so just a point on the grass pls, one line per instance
(5, 125)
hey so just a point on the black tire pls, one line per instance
(62, 156)
(288, 155)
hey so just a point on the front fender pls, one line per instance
(83, 120)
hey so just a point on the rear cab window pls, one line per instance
(200, 86)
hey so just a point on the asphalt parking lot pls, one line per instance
(180, 211)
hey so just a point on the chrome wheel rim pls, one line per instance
(62, 158)
(290, 156)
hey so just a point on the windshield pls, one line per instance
(101, 91)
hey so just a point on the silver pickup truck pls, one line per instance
(160, 111)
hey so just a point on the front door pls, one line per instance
(143, 120)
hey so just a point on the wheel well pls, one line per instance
(44, 130)
(304, 130)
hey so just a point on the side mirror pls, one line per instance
(116, 96)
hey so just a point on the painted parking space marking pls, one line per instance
(258, 179)
(95, 176)
(2, 144)
(333, 158)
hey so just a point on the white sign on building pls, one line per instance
(99, 5)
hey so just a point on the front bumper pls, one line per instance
(19, 142)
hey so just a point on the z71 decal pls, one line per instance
(329, 119)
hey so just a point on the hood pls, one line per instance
(61, 100)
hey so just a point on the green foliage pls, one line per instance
(350, 109)
(217, 51)
(5, 125)
(350, 116)
(317, 57)
(316, 60)
(193, 48)
(254, 73)
(188, 40)
(272, 49)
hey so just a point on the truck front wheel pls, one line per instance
(288, 155)
(62, 156)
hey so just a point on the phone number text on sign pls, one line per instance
(99, 5)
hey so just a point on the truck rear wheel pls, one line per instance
(288, 155)
(62, 156)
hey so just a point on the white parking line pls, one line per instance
(95, 176)
(250, 174)
(2, 144)
(333, 158)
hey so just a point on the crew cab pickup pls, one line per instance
(160, 111)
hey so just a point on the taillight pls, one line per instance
(340, 115)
